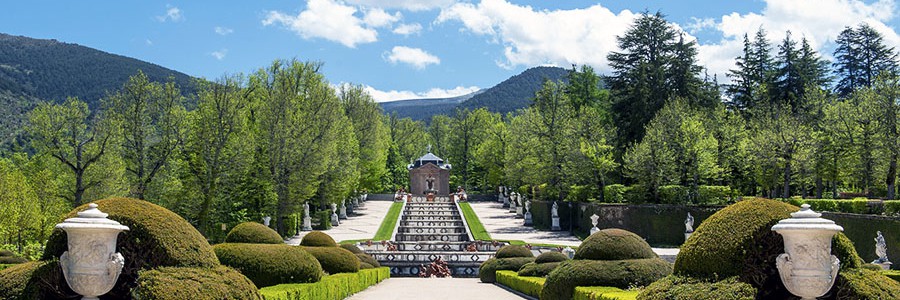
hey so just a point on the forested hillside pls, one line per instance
(423, 109)
(52, 70)
(516, 92)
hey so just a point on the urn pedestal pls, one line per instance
(91, 265)
(807, 269)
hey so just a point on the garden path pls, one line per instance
(435, 289)
(362, 225)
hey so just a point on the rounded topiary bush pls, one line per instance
(268, 264)
(614, 244)
(622, 274)
(35, 280)
(513, 251)
(676, 287)
(6, 253)
(10, 260)
(487, 270)
(352, 248)
(865, 284)
(335, 259)
(253, 233)
(551, 256)
(368, 259)
(174, 283)
(363, 266)
(317, 239)
(156, 237)
(538, 270)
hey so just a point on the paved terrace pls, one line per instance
(362, 225)
(434, 289)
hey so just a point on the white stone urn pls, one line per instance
(91, 265)
(594, 219)
(569, 252)
(807, 269)
(266, 220)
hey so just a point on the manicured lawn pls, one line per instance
(386, 230)
(475, 226)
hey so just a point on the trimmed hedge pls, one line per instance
(35, 280)
(331, 287)
(614, 244)
(892, 274)
(538, 270)
(268, 264)
(615, 193)
(352, 248)
(253, 233)
(561, 282)
(157, 237)
(531, 286)
(487, 270)
(334, 259)
(603, 293)
(174, 283)
(866, 284)
(317, 239)
(678, 287)
(367, 259)
(509, 251)
(891, 207)
(324, 217)
(853, 206)
(551, 256)
(11, 260)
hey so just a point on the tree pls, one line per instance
(408, 140)
(780, 141)
(365, 117)
(467, 131)
(552, 127)
(860, 56)
(70, 134)
(151, 116)
(887, 93)
(18, 205)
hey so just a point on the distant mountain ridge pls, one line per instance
(510, 95)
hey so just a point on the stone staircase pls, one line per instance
(427, 230)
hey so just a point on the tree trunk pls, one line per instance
(892, 177)
(787, 179)
(818, 187)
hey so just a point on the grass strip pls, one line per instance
(475, 226)
(386, 230)
(331, 287)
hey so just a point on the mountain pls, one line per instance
(511, 94)
(34, 70)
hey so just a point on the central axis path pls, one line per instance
(434, 289)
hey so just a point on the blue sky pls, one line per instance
(420, 48)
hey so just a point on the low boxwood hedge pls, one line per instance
(253, 233)
(34, 280)
(603, 293)
(317, 239)
(865, 284)
(614, 244)
(892, 274)
(11, 260)
(513, 251)
(678, 287)
(175, 283)
(852, 206)
(352, 248)
(368, 259)
(331, 287)
(534, 269)
(334, 259)
(562, 281)
(551, 256)
(268, 264)
(531, 286)
(487, 270)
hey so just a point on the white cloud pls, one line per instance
(328, 20)
(698, 25)
(223, 30)
(820, 21)
(172, 14)
(411, 5)
(532, 37)
(416, 57)
(219, 54)
(408, 29)
(393, 95)
(148, 42)
(376, 17)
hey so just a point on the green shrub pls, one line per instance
(872, 267)
(331, 287)
(866, 284)
(852, 206)
(513, 251)
(674, 194)
(487, 270)
(551, 256)
(892, 274)
(35, 280)
(715, 194)
(581, 193)
(10, 260)
(324, 217)
(562, 281)
(363, 266)
(174, 283)
(842, 247)
(531, 286)
(156, 237)
(6, 253)
(368, 259)
(268, 264)
(317, 239)
(614, 244)
(614, 193)
(891, 207)
(352, 248)
(636, 194)
(253, 233)
(676, 287)
(603, 293)
(538, 270)
(334, 259)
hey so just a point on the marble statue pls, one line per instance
(554, 211)
(689, 223)
(880, 249)
(305, 209)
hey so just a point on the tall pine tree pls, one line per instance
(860, 56)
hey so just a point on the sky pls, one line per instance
(401, 49)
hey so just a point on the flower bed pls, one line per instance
(335, 287)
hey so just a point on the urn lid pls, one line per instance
(806, 219)
(91, 218)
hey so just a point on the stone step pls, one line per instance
(408, 263)
(431, 218)
(434, 246)
(431, 213)
(432, 223)
(431, 229)
(431, 237)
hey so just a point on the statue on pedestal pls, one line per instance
(881, 252)
(307, 219)
(554, 217)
